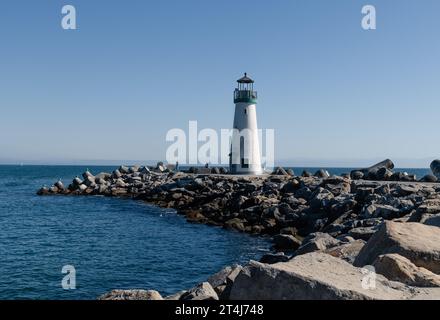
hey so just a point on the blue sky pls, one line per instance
(334, 93)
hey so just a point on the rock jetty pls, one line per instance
(325, 229)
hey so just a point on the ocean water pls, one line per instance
(112, 243)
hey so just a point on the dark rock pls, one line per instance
(116, 174)
(124, 169)
(43, 191)
(362, 233)
(286, 242)
(429, 178)
(280, 171)
(271, 258)
(291, 186)
(371, 172)
(306, 174)
(322, 174)
(321, 198)
(384, 174)
(215, 170)
(357, 175)
(236, 224)
(59, 184)
(435, 168)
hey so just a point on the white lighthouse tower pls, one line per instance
(245, 155)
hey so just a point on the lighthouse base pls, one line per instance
(237, 169)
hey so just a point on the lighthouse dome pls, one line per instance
(245, 79)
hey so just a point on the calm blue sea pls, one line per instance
(112, 243)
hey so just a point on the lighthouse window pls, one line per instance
(245, 111)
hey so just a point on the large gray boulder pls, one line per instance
(318, 276)
(397, 268)
(417, 242)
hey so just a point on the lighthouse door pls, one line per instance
(244, 162)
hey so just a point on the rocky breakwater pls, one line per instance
(317, 222)
(290, 208)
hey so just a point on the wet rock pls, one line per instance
(397, 268)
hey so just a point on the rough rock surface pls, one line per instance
(397, 268)
(347, 251)
(417, 242)
(316, 276)
(132, 295)
(203, 291)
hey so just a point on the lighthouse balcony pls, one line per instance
(247, 96)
